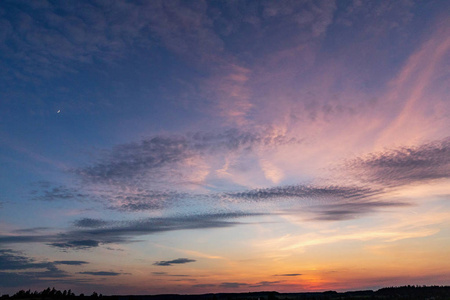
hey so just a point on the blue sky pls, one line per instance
(210, 146)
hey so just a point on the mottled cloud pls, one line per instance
(55, 36)
(57, 193)
(325, 203)
(404, 165)
(307, 192)
(162, 155)
(174, 262)
(157, 173)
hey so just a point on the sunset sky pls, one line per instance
(151, 147)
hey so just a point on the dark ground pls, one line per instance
(404, 292)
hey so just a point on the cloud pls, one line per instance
(155, 173)
(7, 239)
(126, 231)
(11, 260)
(375, 18)
(77, 244)
(350, 210)
(70, 262)
(173, 262)
(26, 270)
(265, 283)
(90, 223)
(31, 230)
(153, 225)
(289, 275)
(56, 36)
(165, 273)
(326, 203)
(162, 155)
(101, 273)
(203, 285)
(307, 192)
(58, 193)
(405, 165)
(232, 285)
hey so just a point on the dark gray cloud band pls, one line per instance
(101, 273)
(177, 261)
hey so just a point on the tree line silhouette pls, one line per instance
(403, 292)
(49, 294)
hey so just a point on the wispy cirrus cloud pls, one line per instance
(177, 261)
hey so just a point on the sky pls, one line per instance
(151, 147)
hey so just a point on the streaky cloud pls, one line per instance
(351, 210)
(13, 260)
(90, 223)
(26, 269)
(265, 283)
(76, 244)
(233, 285)
(101, 273)
(84, 238)
(70, 262)
(203, 285)
(177, 261)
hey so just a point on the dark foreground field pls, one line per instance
(404, 292)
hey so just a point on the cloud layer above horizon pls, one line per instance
(224, 146)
